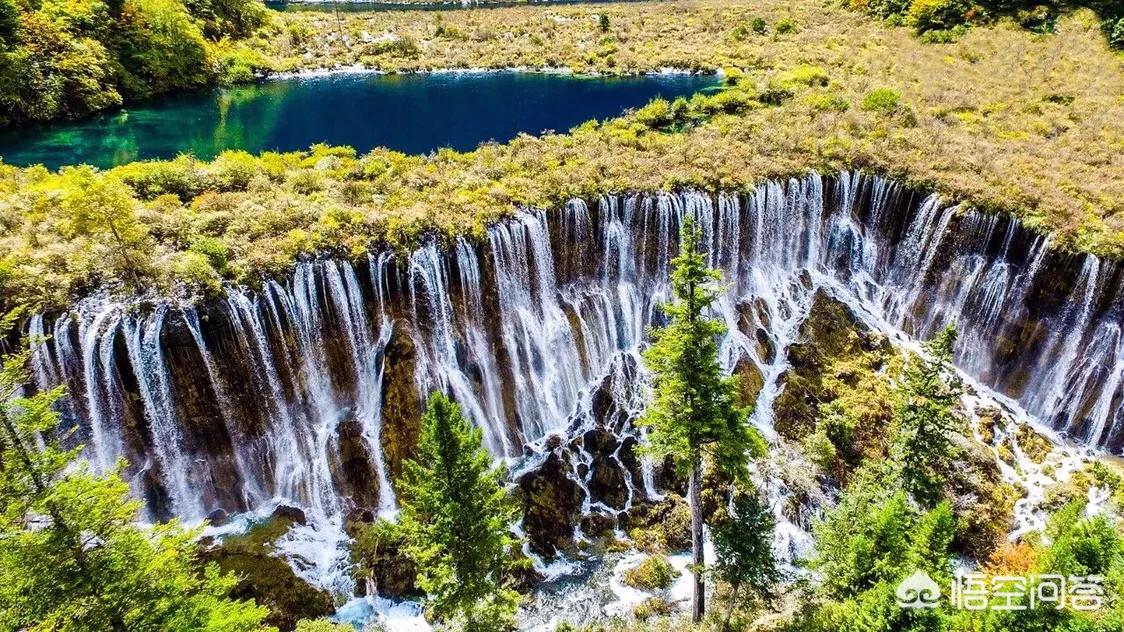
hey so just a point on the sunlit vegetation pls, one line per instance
(64, 59)
(946, 20)
(1003, 119)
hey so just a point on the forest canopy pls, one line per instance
(64, 59)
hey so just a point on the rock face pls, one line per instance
(402, 405)
(552, 502)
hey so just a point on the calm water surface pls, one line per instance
(414, 113)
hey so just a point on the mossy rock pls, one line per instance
(653, 573)
(661, 527)
(656, 607)
(551, 502)
(272, 583)
(402, 407)
(380, 565)
(983, 503)
(828, 333)
(1035, 446)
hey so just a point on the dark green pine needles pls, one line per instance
(456, 516)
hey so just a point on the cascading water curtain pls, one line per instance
(280, 393)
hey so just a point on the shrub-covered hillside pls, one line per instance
(1002, 119)
(68, 58)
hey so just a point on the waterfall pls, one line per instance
(280, 393)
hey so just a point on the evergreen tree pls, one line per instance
(743, 550)
(693, 408)
(927, 418)
(455, 515)
(72, 557)
(871, 541)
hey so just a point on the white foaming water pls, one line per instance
(242, 402)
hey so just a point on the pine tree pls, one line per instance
(693, 410)
(743, 550)
(455, 514)
(71, 555)
(927, 419)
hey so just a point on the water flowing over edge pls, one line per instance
(307, 391)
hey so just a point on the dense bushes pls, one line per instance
(64, 59)
(944, 20)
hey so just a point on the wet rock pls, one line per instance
(352, 465)
(381, 566)
(661, 526)
(600, 442)
(360, 515)
(607, 482)
(598, 524)
(602, 403)
(551, 503)
(218, 517)
(402, 406)
(267, 579)
(292, 514)
(272, 583)
(765, 349)
(750, 381)
(830, 331)
(631, 462)
(521, 573)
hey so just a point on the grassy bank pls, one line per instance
(1002, 119)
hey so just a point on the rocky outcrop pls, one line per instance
(402, 406)
(551, 501)
(267, 579)
(830, 332)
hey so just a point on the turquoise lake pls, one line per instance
(413, 113)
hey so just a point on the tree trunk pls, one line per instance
(730, 608)
(698, 606)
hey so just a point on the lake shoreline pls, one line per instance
(360, 69)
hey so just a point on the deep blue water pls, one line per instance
(414, 113)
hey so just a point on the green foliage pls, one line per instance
(743, 548)
(942, 21)
(927, 415)
(455, 515)
(68, 58)
(71, 556)
(1078, 546)
(692, 409)
(653, 572)
(160, 49)
(935, 15)
(603, 22)
(882, 100)
(866, 546)
(785, 26)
